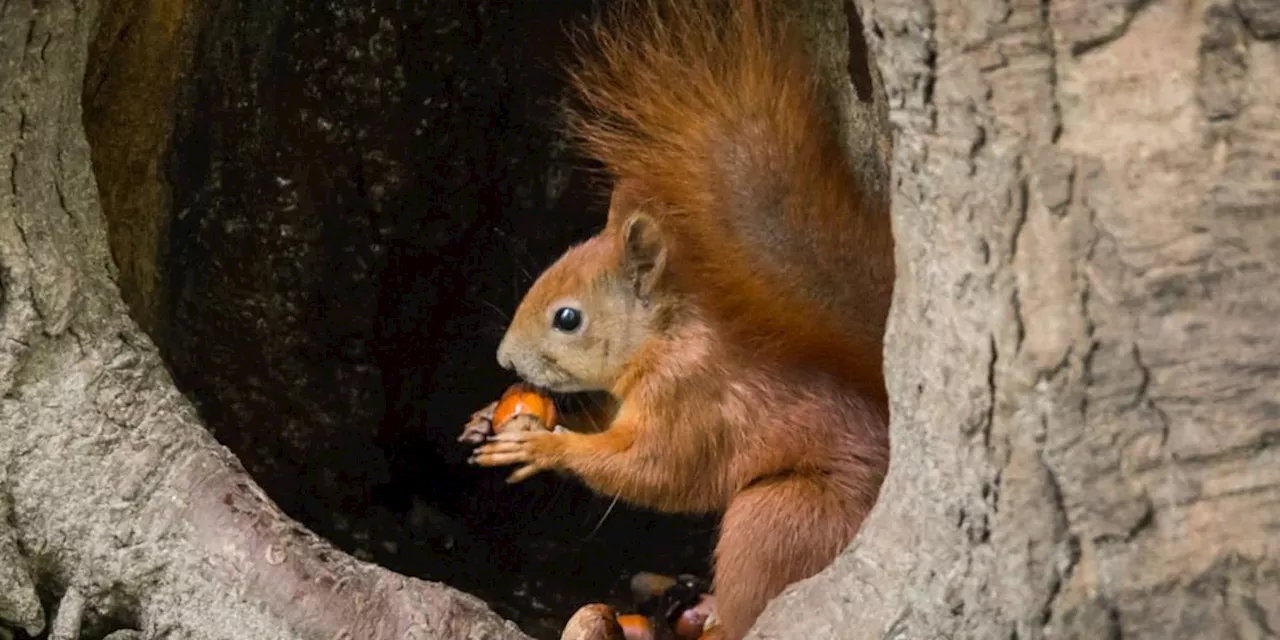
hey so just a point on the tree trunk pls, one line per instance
(1080, 358)
(1082, 352)
(114, 500)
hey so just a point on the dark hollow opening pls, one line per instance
(349, 199)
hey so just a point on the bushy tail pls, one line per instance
(713, 110)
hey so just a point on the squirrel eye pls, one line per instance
(567, 319)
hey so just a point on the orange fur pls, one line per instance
(715, 115)
(748, 377)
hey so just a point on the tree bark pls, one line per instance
(114, 500)
(1081, 360)
(1082, 353)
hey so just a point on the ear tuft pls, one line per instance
(624, 199)
(644, 253)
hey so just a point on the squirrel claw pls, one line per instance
(479, 426)
(512, 436)
(499, 453)
(534, 450)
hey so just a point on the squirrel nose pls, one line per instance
(504, 356)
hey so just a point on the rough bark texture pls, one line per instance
(1082, 352)
(118, 507)
(1081, 357)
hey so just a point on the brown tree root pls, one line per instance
(125, 507)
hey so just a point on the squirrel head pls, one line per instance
(586, 316)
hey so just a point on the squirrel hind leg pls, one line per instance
(775, 533)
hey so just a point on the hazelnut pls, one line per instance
(636, 627)
(521, 399)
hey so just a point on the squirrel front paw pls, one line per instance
(480, 425)
(535, 450)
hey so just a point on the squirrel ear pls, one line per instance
(623, 200)
(644, 253)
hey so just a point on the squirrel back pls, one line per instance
(712, 120)
(734, 305)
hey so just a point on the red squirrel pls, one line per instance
(734, 305)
